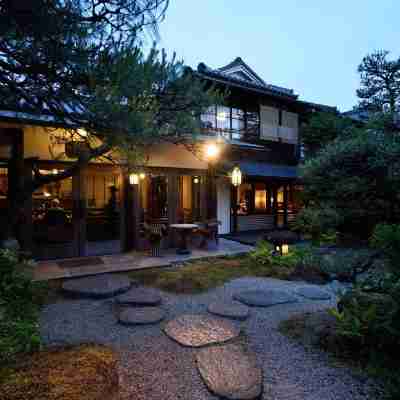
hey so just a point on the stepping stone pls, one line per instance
(141, 316)
(140, 297)
(264, 298)
(232, 309)
(313, 293)
(230, 371)
(97, 287)
(200, 330)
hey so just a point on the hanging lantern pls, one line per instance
(236, 176)
(134, 179)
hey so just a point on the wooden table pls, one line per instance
(184, 230)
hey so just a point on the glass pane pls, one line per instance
(103, 206)
(208, 119)
(223, 118)
(52, 210)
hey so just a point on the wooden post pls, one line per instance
(173, 202)
(234, 203)
(27, 231)
(203, 198)
(79, 212)
(275, 205)
(212, 193)
(16, 176)
(131, 215)
(285, 206)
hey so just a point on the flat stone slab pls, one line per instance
(200, 330)
(141, 316)
(232, 309)
(313, 293)
(99, 286)
(264, 298)
(140, 297)
(230, 371)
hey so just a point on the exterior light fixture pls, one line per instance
(282, 249)
(142, 175)
(236, 177)
(212, 151)
(55, 171)
(134, 179)
(221, 116)
(82, 132)
(46, 194)
(196, 180)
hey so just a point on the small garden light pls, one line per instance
(285, 249)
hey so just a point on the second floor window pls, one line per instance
(230, 122)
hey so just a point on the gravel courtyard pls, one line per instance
(154, 367)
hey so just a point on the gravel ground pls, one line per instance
(154, 367)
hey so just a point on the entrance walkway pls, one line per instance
(56, 269)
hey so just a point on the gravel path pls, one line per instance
(153, 367)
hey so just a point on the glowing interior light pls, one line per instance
(134, 179)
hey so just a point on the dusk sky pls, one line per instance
(313, 47)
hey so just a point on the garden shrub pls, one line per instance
(318, 223)
(19, 305)
(386, 237)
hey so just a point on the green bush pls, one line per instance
(386, 237)
(20, 299)
(317, 223)
(265, 254)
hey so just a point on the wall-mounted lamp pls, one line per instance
(142, 175)
(134, 179)
(212, 151)
(236, 177)
(196, 180)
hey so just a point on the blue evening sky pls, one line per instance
(311, 46)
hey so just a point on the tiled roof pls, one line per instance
(256, 85)
(258, 168)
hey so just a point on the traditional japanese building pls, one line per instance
(101, 210)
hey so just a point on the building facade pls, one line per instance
(98, 211)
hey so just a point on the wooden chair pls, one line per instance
(208, 232)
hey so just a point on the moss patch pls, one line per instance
(82, 373)
(200, 276)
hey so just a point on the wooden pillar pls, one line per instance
(27, 231)
(275, 204)
(79, 212)
(203, 198)
(234, 206)
(16, 176)
(285, 205)
(211, 193)
(131, 215)
(173, 204)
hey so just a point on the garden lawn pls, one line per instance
(200, 276)
(81, 373)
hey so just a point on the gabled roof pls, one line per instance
(239, 74)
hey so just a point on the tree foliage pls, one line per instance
(81, 64)
(380, 82)
(322, 128)
(358, 177)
